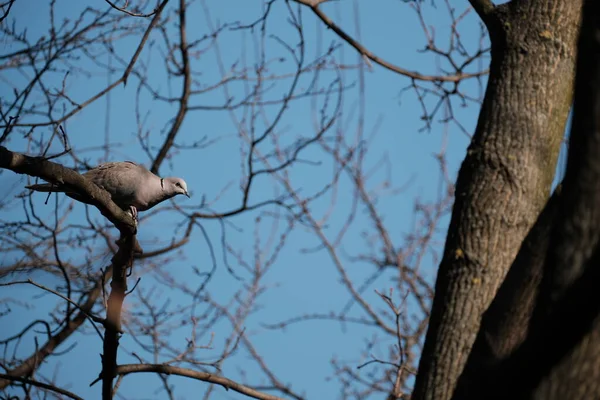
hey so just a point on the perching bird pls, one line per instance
(131, 186)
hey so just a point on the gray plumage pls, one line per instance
(131, 186)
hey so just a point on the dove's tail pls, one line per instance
(45, 187)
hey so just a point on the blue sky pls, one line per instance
(300, 281)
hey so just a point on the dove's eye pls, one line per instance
(178, 184)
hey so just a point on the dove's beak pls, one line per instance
(188, 195)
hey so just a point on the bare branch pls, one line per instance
(8, 6)
(201, 376)
(484, 8)
(29, 381)
(56, 173)
(314, 6)
(133, 14)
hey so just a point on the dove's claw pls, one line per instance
(134, 212)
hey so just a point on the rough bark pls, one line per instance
(554, 353)
(505, 324)
(505, 178)
(121, 263)
(560, 359)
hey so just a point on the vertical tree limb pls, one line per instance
(505, 178)
(560, 358)
(505, 324)
(121, 263)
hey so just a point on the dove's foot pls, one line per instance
(134, 213)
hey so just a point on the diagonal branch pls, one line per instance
(506, 323)
(56, 173)
(133, 14)
(314, 6)
(202, 376)
(185, 94)
(27, 367)
(157, 13)
(483, 8)
(42, 385)
(103, 92)
(5, 13)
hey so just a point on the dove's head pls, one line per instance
(175, 186)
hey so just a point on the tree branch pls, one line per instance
(121, 262)
(202, 376)
(483, 8)
(185, 94)
(27, 367)
(314, 6)
(56, 173)
(39, 384)
(133, 14)
(157, 13)
(5, 13)
(506, 323)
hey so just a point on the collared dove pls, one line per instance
(131, 186)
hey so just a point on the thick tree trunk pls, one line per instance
(560, 358)
(570, 288)
(505, 324)
(506, 176)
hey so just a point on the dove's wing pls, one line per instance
(128, 183)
